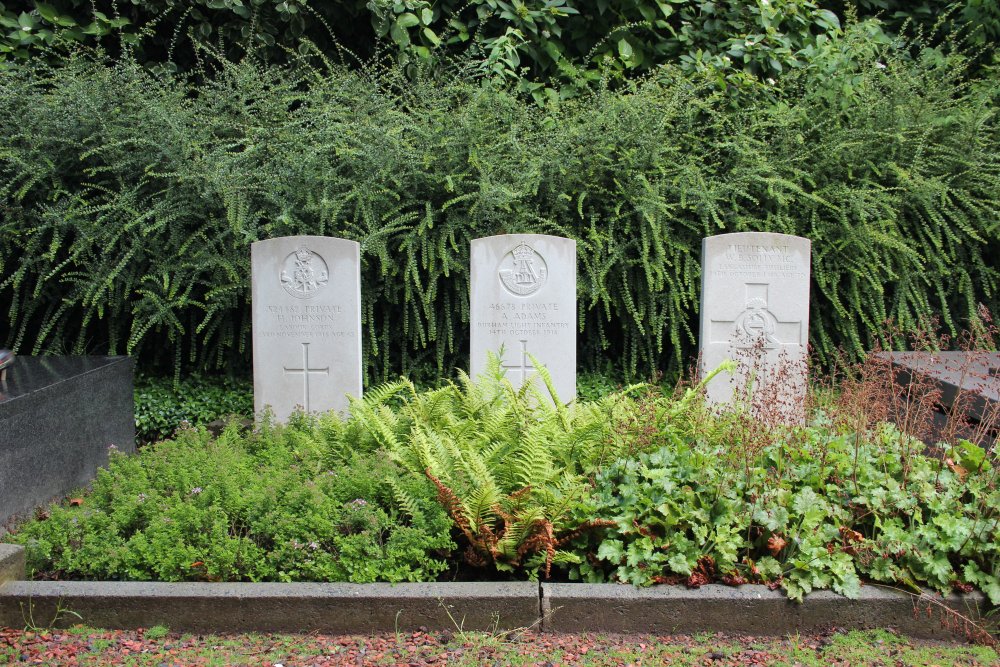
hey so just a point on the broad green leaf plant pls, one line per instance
(819, 509)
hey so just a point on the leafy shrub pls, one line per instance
(259, 507)
(161, 32)
(331, 499)
(129, 201)
(550, 48)
(163, 404)
(558, 48)
(736, 496)
(595, 386)
(980, 17)
(36, 25)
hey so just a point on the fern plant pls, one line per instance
(508, 464)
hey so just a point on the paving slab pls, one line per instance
(968, 384)
(973, 375)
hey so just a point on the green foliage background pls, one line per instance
(550, 48)
(163, 404)
(129, 200)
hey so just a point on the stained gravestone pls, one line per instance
(523, 300)
(306, 324)
(755, 311)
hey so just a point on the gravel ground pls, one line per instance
(160, 648)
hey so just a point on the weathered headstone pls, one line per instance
(755, 311)
(523, 299)
(306, 323)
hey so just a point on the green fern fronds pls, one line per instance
(507, 464)
(406, 502)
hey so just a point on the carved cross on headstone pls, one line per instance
(305, 370)
(755, 322)
(524, 367)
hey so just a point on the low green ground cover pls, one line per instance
(251, 507)
(815, 509)
(163, 404)
(479, 480)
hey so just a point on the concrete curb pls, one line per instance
(271, 607)
(367, 608)
(750, 610)
(13, 566)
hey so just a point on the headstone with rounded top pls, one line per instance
(523, 301)
(306, 324)
(755, 311)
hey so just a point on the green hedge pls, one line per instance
(163, 404)
(128, 202)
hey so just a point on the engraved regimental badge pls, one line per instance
(522, 271)
(757, 322)
(304, 273)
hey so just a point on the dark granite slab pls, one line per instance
(58, 418)
(976, 375)
(969, 383)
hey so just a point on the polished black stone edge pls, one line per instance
(31, 374)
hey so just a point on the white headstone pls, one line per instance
(755, 310)
(306, 323)
(523, 299)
